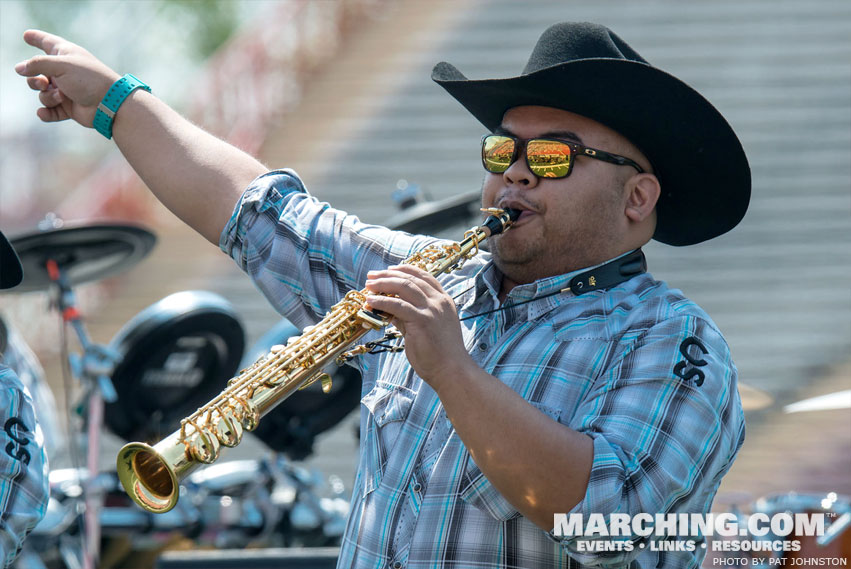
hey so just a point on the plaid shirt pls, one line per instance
(23, 467)
(621, 365)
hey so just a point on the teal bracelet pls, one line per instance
(120, 90)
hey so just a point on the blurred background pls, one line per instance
(341, 92)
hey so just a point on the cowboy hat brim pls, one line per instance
(700, 163)
(11, 273)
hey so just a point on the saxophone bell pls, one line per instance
(148, 476)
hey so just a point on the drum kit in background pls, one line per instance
(171, 358)
(167, 361)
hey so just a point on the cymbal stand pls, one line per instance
(94, 369)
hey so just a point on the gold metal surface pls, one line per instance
(151, 475)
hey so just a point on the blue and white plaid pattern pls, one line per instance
(601, 363)
(23, 467)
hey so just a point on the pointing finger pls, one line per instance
(47, 42)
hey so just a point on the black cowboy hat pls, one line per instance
(11, 272)
(588, 70)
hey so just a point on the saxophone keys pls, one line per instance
(323, 377)
(246, 413)
(229, 429)
(371, 319)
(203, 447)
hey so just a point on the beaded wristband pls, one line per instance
(113, 99)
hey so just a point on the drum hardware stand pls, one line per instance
(93, 369)
(56, 257)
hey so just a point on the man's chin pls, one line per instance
(512, 251)
(518, 268)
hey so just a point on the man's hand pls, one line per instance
(196, 175)
(427, 318)
(537, 464)
(70, 80)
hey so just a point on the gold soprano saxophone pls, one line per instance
(151, 474)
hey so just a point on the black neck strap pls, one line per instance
(605, 276)
(610, 274)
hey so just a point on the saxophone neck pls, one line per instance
(453, 257)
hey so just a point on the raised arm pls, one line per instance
(196, 175)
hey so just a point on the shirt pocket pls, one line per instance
(387, 408)
(478, 491)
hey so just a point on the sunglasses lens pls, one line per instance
(497, 152)
(549, 158)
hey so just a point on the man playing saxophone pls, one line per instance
(554, 375)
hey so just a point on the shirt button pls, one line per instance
(417, 487)
(397, 565)
(482, 347)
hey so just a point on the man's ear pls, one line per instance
(643, 193)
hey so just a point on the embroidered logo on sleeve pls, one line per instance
(20, 435)
(687, 370)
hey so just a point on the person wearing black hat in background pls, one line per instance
(23, 463)
(554, 375)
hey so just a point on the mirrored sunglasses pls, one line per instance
(545, 157)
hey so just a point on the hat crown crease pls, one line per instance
(564, 42)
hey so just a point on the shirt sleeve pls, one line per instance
(666, 423)
(24, 489)
(303, 254)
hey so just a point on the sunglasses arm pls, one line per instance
(612, 158)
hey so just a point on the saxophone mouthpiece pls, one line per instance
(499, 219)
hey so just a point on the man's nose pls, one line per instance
(519, 174)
